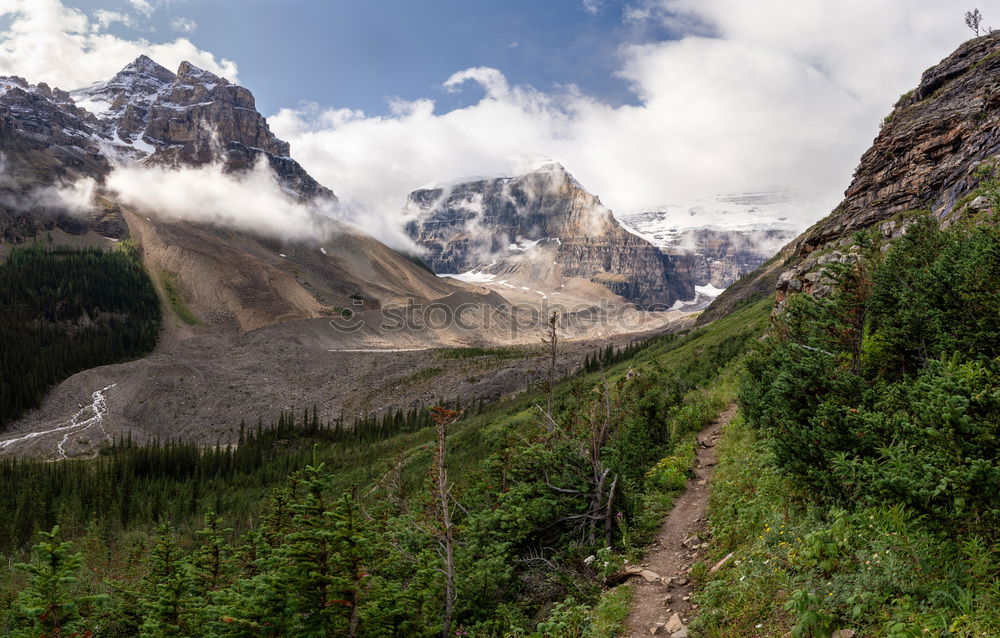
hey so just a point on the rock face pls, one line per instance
(193, 117)
(45, 141)
(925, 158)
(540, 228)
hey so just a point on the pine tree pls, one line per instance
(210, 561)
(171, 608)
(48, 600)
(313, 566)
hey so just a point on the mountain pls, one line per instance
(147, 115)
(720, 239)
(541, 230)
(928, 156)
(192, 117)
(254, 324)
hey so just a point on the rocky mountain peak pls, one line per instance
(143, 67)
(539, 228)
(189, 71)
(140, 81)
(145, 113)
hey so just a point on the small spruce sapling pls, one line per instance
(48, 600)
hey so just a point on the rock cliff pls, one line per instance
(926, 157)
(540, 229)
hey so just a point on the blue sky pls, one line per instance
(358, 54)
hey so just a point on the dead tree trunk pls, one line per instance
(442, 419)
(551, 340)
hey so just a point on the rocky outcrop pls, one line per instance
(541, 227)
(925, 158)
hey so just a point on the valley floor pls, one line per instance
(201, 389)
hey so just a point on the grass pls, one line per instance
(175, 300)
(704, 345)
(804, 567)
(474, 353)
(611, 612)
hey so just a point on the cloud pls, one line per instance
(142, 6)
(249, 201)
(592, 6)
(184, 25)
(46, 41)
(76, 198)
(490, 79)
(104, 19)
(775, 95)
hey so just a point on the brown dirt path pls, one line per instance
(676, 548)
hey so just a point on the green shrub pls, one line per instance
(913, 415)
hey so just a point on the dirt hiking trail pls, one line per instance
(662, 590)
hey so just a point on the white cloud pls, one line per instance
(76, 198)
(142, 6)
(592, 6)
(250, 201)
(184, 25)
(490, 79)
(103, 19)
(48, 42)
(772, 95)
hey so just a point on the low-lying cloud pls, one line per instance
(251, 201)
(74, 198)
(776, 95)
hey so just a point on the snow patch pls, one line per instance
(97, 106)
(472, 277)
(709, 290)
(740, 212)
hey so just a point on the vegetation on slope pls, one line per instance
(862, 490)
(64, 311)
(534, 497)
(858, 490)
